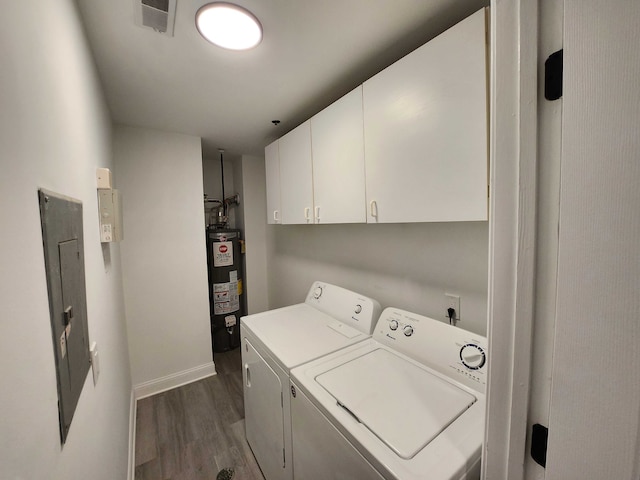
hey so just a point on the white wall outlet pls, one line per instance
(95, 364)
(452, 301)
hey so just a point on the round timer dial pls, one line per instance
(317, 292)
(472, 356)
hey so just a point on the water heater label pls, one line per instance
(230, 320)
(225, 298)
(222, 254)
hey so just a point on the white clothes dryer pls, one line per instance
(406, 404)
(276, 341)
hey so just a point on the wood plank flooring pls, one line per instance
(195, 431)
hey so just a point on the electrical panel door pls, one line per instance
(61, 219)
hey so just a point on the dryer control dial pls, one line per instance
(317, 292)
(408, 330)
(393, 324)
(472, 356)
(358, 309)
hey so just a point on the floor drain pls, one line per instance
(225, 474)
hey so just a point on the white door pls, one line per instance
(425, 131)
(272, 173)
(594, 415)
(263, 412)
(337, 143)
(296, 180)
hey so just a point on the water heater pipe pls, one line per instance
(222, 176)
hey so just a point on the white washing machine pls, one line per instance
(406, 404)
(273, 343)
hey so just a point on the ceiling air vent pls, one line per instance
(158, 15)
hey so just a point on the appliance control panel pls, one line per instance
(472, 356)
(344, 305)
(450, 350)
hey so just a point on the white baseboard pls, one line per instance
(174, 380)
(132, 437)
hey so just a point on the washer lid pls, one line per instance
(300, 333)
(404, 405)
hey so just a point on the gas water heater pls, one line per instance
(226, 290)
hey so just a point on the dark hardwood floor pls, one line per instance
(195, 431)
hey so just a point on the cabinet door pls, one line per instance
(272, 169)
(425, 128)
(296, 182)
(338, 161)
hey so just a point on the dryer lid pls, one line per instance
(299, 333)
(401, 403)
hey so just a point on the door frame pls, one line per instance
(512, 233)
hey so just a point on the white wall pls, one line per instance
(238, 187)
(253, 202)
(409, 266)
(405, 265)
(54, 132)
(211, 176)
(163, 256)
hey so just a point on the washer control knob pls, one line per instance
(408, 330)
(317, 292)
(472, 356)
(393, 324)
(358, 309)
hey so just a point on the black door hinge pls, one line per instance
(553, 76)
(539, 435)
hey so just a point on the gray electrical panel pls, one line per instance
(61, 220)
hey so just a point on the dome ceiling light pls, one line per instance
(228, 26)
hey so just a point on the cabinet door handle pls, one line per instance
(373, 208)
(317, 213)
(307, 211)
(276, 216)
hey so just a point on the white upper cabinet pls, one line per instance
(410, 145)
(425, 131)
(272, 170)
(296, 180)
(338, 161)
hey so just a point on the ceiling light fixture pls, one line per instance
(229, 26)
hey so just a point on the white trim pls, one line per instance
(174, 380)
(132, 437)
(512, 234)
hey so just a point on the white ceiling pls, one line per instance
(313, 52)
